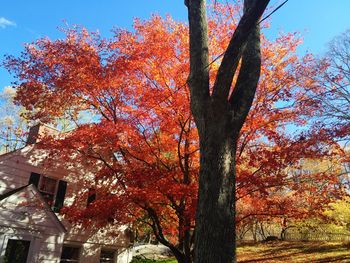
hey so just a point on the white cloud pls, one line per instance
(5, 23)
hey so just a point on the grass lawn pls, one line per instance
(312, 252)
(140, 260)
(278, 251)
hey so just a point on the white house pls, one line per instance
(31, 230)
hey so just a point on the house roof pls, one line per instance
(48, 208)
(11, 192)
(11, 152)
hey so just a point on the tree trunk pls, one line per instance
(184, 244)
(219, 116)
(215, 218)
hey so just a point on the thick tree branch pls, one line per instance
(199, 54)
(253, 10)
(158, 232)
(243, 94)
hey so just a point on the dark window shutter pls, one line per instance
(34, 179)
(91, 195)
(61, 192)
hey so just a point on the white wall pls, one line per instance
(23, 215)
(15, 170)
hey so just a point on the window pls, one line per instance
(70, 254)
(16, 251)
(107, 256)
(52, 190)
(91, 195)
(47, 188)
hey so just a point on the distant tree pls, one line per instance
(339, 75)
(335, 99)
(13, 127)
(339, 212)
(14, 124)
(309, 187)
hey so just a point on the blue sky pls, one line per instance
(23, 21)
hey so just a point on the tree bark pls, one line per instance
(219, 119)
(215, 224)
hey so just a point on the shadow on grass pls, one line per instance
(264, 259)
(334, 259)
(290, 259)
(283, 251)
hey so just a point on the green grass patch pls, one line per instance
(143, 260)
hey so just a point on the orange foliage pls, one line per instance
(142, 136)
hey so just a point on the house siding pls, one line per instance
(15, 170)
(23, 216)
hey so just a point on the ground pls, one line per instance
(294, 252)
(141, 260)
(313, 252)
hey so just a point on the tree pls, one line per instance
(307, 189)
(339, 212)
(219, 117)
(12, 126)
(335, 99)
(339, 77)
(142, 140)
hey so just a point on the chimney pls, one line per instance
(39, 130)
